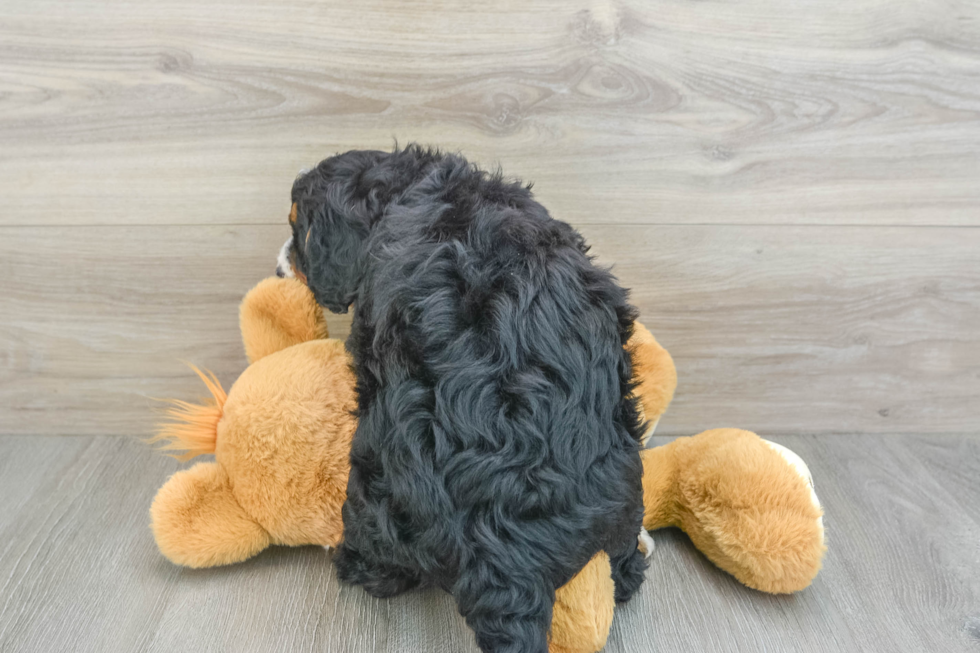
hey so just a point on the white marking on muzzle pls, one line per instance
(283, 267)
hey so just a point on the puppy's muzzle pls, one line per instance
(284, 268)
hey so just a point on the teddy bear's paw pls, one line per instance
(797, 463)
(646, 543)
(790, 456)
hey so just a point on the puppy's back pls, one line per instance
(497, 350)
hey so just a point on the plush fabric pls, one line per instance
(276, 315)
(654, 375)
(583, 610)
(198, 522)
(741, 503)
(281, 437)
(286, 432)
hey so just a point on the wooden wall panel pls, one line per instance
(661, 112)
(147, 149)
(781, 330)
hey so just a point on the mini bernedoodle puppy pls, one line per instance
(497, 448)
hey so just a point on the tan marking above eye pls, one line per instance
(292, 214)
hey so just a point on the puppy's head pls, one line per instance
(331, 217)
(335, 205)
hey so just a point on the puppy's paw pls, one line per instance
(646, 543)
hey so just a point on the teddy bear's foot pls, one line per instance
(197, 522)
(747, 504)
(750, 508)
(797, 463)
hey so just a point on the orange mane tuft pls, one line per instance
(193, 428)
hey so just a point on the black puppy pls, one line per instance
(497, 448)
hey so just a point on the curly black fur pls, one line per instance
(497, 448)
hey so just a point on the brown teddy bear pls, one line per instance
(281, 439)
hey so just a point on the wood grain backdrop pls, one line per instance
(791, 190)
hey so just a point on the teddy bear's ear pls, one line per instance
(198, 523)
(279, 313)
(654, 375)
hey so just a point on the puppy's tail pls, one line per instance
(192, 428)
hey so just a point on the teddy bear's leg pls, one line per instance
(198, 523)
(583, 610)
(654, 374)
(746, 505)
(758, 522)
(660, 470)
(278, 313)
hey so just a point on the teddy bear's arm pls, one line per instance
(279, 313)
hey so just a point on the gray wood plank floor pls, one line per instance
(79, 570)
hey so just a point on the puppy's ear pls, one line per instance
(333, 252)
